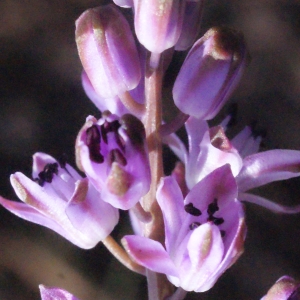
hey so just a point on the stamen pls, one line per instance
(213, 207)
(216, 221)
(47, 174)
(190, 209)
(194, 225)
(116, 155)
(93, 139)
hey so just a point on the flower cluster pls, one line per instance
(190, 225)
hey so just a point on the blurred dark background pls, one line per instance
(43, 106)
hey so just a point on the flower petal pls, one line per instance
(150, 254)
(54, 293)
(265, 167)
(170, 200)
(205, 249)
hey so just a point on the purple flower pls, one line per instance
(60, 199)
(112, 153)
(158, 23)
(107, 51)
(54, 293)
(204, 233)
(285, 288)
(210, 149)
(209, 73)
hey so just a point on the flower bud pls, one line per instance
(191, 24)
(158, 23)
(285, 288)
(124, 3)
(54, 293)
(209, 73)
(107, 51)
(112, 153)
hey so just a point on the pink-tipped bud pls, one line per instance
(210, 72)
(285, 288)
(191, 24)
(107, 51)
(158, 23)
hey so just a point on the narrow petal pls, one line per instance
(177, 146)
(150, 254)
(30, 214)
(275, 207)
(43, 199)
(265, 167)
(170, 200)
(234, 251)
(245, 142)
(54, 293)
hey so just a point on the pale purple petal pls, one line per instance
(54, 293)
(177, 146)
(150, 254)
(206, 251)
(170, 200)
(268, 204)
(265, 167)
(32, 215)
(232, 249)
(245, 142)
(209, 159)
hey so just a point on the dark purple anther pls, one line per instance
(190, 209)
(47, 174)
(93, 139)
(216, 221)
(213, 207)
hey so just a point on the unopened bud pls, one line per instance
(210, 73)
(158, 23)
(107, 51)
(285, 288)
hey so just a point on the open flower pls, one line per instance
(204, 232)
(60, 199)
(209, 148)
(285, 288)
(112, 153)
(54, 293)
